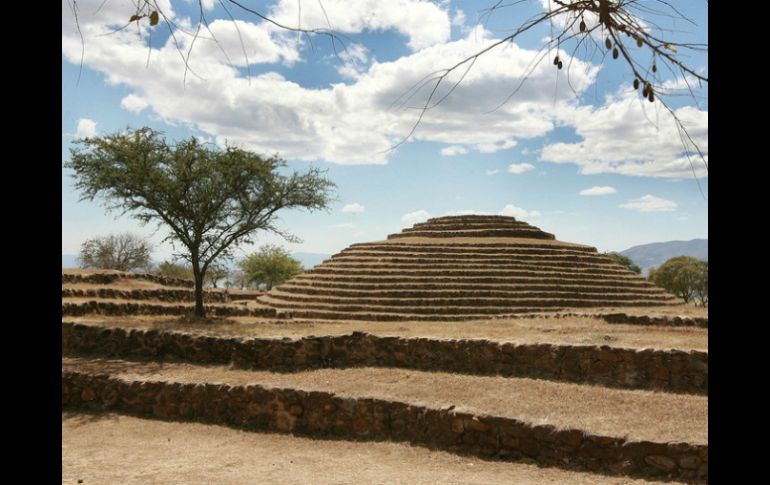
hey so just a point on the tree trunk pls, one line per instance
(199, 311)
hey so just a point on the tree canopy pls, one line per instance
(124, 252)
(270, 266)
(175, 270)
(684, 276)
(211, 200)
(624, 261)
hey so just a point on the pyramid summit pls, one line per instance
(462, 268)
(473, 226)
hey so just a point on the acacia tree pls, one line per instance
(211, 200)
(270, 266)
(175, 270)
(702, 283)
(124, 252)
(683, 276)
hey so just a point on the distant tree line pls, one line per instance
(683, 276)
(267, 267)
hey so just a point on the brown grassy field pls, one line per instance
(119, 449)
(112, 449)
(634, 414)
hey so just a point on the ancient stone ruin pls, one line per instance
(462, 268)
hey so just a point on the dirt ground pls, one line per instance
(112, 449)
(570, 330)
(635, 414)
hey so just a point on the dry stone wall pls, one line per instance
(73, 309)
(170, 295)
(108, 278)
(668, 370)
(327, 415)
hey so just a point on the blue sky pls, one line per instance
(530, 159)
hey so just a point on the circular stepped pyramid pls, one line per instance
(462, 268)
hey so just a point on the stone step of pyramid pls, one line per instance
(136, 450)
(628, 433)
(565, 273)
(447, 307)
(376, 315)
(465, 279)
(452, 250)
(471, 218)
(310, 286)
(466, 257)
(522, 233)
(477, 245)
(469, 265)
(433, 300)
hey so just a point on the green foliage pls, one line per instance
(215, 273)
(175, 270)
(624, 261)
(270, 266)
(211, 200)
(684, 276)
(237, 279)
(124, 252)
(702, 283)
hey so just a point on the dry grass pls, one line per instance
(571, 331)
(121, 449)
(635, 414)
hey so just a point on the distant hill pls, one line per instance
(653, 255)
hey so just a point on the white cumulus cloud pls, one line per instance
(518, 213)
(622, 137)
(598, 190)
(414, 217)
(423, 22)
(86, 128)
(650, 203)
(492, 172)
(496, 146)
(133, 103)
(453, 150)
(518, 168)
(354, 123)
(354, 208)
